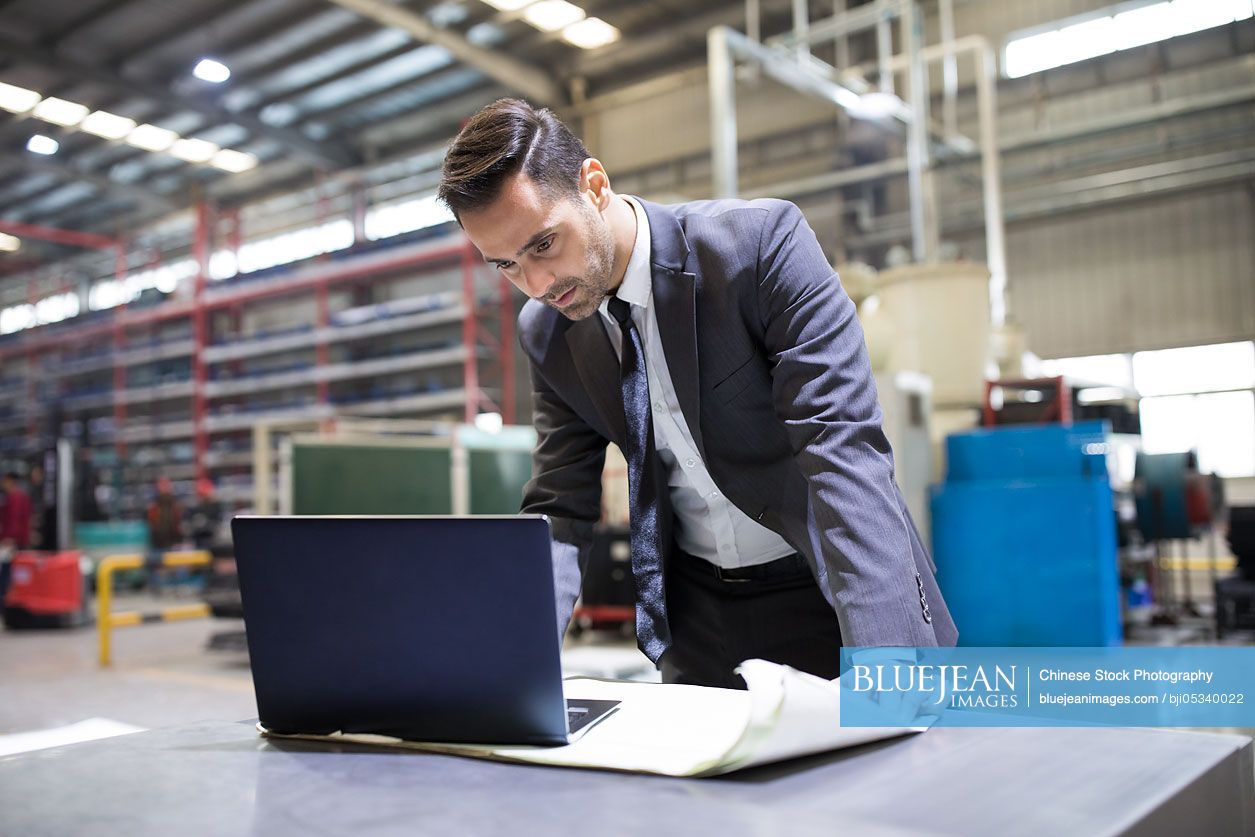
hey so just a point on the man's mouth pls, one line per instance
(562, 301)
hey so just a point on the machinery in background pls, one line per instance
(1024, 536)
(1235, 595)
(47, 590)
(906, 404)
(1059, 399)
(608, 597)
(1175, 504)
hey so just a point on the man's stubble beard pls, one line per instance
(598, 269)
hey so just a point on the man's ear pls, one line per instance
(595, 183)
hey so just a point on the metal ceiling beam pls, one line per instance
(321, 153)
(145, 197)
(529, 80)
(73, 238)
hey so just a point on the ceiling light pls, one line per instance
(40, 144)
(590, 33)
(233, 161)
(17, 99)
(151, 138)
(107, 125)
(212, 71)
(508, 5)
(876, 105)
(9, 243)
(60, 112)
(552, 15)
(194, 150)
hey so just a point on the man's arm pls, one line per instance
(823, 391)
(565, 486)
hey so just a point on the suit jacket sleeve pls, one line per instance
(824, 392)
(566, 486)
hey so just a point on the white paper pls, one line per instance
(675, 730)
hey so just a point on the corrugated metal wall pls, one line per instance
(1168, 272)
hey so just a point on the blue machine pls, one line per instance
(1024, 537)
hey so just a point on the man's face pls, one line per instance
(557, 250)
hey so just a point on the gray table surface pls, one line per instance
(222, 778)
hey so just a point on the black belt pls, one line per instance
(790, 566)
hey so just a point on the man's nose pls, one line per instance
(538, 282)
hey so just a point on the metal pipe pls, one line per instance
(949, 71)
(840, 43)
(832, 180)
(858, 19)
(925, 233)
(753, 21)
(991, 177)
(884, 51)
(801, 28)
(722, 91)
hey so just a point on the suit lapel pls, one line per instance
(599, 371)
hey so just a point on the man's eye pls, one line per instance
(505, 265)
(544, 245)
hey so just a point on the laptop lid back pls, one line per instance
(425, 628)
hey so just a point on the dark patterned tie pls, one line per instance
(652, 631)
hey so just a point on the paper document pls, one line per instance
(676, 730)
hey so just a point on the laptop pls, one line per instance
(421, 628)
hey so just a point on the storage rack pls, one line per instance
(415, 325)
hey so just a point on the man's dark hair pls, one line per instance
(501, 140)
(11, 475)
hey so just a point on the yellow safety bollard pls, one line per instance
(106, 620)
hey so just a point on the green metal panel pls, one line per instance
(497, 480)
(499, 465)
(371, 479)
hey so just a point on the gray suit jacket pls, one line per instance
(769, 364)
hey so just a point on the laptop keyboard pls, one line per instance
(583, 713)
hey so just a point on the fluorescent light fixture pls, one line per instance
(508, 5)
(39, 144)
(194, 150)
(590, 33)
(876, 104)
(107, 125)
(60, 112)
(151, 138)
(214, 72)
(17, 99)
(233, 161)
(9, 243)
(1104, 34)
(552, 15)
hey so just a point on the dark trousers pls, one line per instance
(717, 624)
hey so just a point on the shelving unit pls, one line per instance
(406, 327)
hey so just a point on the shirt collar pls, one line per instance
(637, 285)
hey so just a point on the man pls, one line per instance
(15, 514)
(205, 518)
(713, 343)
(165, 518)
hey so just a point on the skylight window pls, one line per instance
(1124, 27)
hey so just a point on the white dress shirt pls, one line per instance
(707, 524)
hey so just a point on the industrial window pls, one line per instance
(1124, 26)
(1196, 398)
(1219, 425)
(1223, 366)
(1107, 370)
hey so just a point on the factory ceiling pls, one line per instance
(315, 87)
